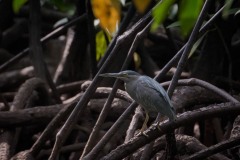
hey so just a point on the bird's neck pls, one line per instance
(130, 87)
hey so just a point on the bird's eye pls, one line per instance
(125, 74)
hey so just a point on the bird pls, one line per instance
(148, 93)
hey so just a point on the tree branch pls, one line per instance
(183, 119)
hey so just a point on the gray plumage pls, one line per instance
(147, 92)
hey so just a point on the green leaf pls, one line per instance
(188, 14)
(226, 9)
(196, 44)
(160, 12)
(63, 5)
(101, 44)
(174, 24)
(17, 4)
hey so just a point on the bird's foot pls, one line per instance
(158, 127)
(141, 133)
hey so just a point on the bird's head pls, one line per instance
(126, 76)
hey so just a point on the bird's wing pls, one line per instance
(148, 82)
(151, 83)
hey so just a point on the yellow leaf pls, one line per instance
(137, 60)
(108, 12)
(101, 44)
(141, 5)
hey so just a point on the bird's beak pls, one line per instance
(115, 75)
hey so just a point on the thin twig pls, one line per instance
(215, 149)
(188, 48)
(53, 125)
(174, 60)
(11, 137)
(171, 145)
(52, 34)
(36, 52)
(204, 84)
(92, 37)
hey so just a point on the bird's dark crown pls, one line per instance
(129, 73)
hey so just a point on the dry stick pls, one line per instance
(171, 145)
(187, 143)
(6, 105)
(65, 149)
(133, 125)
(36, 53)
(204, 84)
(193, 145)
(111, 131)
(63, 113)
(52, 34)
(178, 55)
(107, 105)
(52, 126)
(67, 127)
(19, 102)
(233, 142)
(220, 146)
(92, 37)
(146, 154)
(183, 119)
(234, 134)
(188, 48)
(31, 116)
(37, 115)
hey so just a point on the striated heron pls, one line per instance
(147, 92)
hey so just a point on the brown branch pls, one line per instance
(12, 78)
(215, 149)
(235, 134)
(187, 97)
(10, 137)
(30, 116)
(64, 149)
(204, 84)
(188, 145)
(43, 114)
(36, 53)
(192, 145)
(54, 33)
(171, 146)
(70, 87)
(183, 119)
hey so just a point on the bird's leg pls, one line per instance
(144, 126)
(158, 126)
